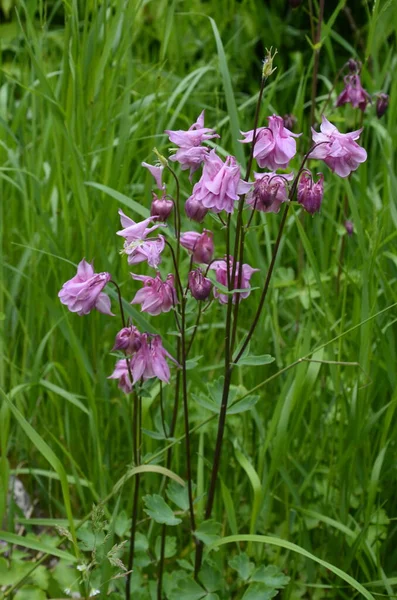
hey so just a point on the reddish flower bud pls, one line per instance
(310, 194)
(354, 66)
(200, 244)
(290, 121)
(195, 210)
(128, 339)
(381, 105)
(161, 207)
(199, 285)
(349, 227)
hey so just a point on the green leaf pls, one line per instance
(170, 547)
(271, 576)
(159, 510)
(178, 495)
(29, 592)
(259, 591)
(188, 589)
(242, 564)
(211, 577)
(122, 524)
(208, 531)
(143, 211)
(11, 538)
(255, 361)
(89, 540)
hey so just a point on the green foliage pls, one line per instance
(159, 510)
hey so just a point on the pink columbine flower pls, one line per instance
(338, 150)
(199, 285)
(353, 93)
(136, 246)
(220, 184)
(191, 153)
(269, 191)
(156, 296)
(220, 268)
(157, 172)
(128, 339)
(161, 207)
(195, 210)
(310, 194)
(150, 360)
(122, 374)
(274, 145)
(83, 292)
(200, 244)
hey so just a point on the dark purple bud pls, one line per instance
(290, 121)
(381, 105)
(349, 227)
(199, 285)
(354, 66)
(310, 194)
(295, 4)
(204, 248)
(195, 210)
(128, 339)
(161, 207)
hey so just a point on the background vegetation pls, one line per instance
(87, 89)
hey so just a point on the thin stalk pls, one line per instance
(199, 312)
(316, 61)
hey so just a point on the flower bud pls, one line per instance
(199, 285)
(267, 68)
(289, 121)
(349, 227)
(195, 210)
(381, 105)
(310, 194)
(128, 339)
(200, 244)
(354, 66)
(161, 207)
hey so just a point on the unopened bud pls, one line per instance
(310, 194)
(349, 227)
(381, 105)
(128, 339)
(195, 210)
(199, 285)
(289, 121)
(161, 207)
(162, 159)
(354, 66)
(267, 68)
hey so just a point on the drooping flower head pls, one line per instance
(161, 207)
(191, 153)
(156, 296)
(220, 267)
(310, 194)
(200, 244)
(220, 184)
(195, 210)
(150, 360)
(83, 292)
(199, 285)
(339, 151)
(354, 93)
(157, 172)
(136, 246)
(274, 145)
(122, 374)
(381, 105)
(269, 191)
(349, 227)
(128, 339)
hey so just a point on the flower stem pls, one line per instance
(316, 62)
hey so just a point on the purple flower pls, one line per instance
(128, 339)
(220, 268)
(191, 153)
(349, 227)
(220, 184)
(353, 93)
(150, 360)
(195, 210)
(157, 173)
(83, 292)
(200, 244)
(338, 150)
(122, 374)
(274, 145)
(156, 296)
(310, 194)
(136, 246)
(161, 207)
(269, 191)
(381, 105)
(200, 286)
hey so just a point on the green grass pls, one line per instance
(86, 91)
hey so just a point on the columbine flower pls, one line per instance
(195, 210)
(191, 153)
(274, 145)
(156, 296)
(136, 246)
(157, 172)
(269, 191)
(150, 360)
(200, 286)
(83, 292)
(201, 244)
(128, 339)
(122, 374)
(349, 227)
(310, 194)
(353, 93)
(381, 105)
(220, 184)
(338, 150)
(161, 207)
(220, 268)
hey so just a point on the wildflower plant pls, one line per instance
(209, 265)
